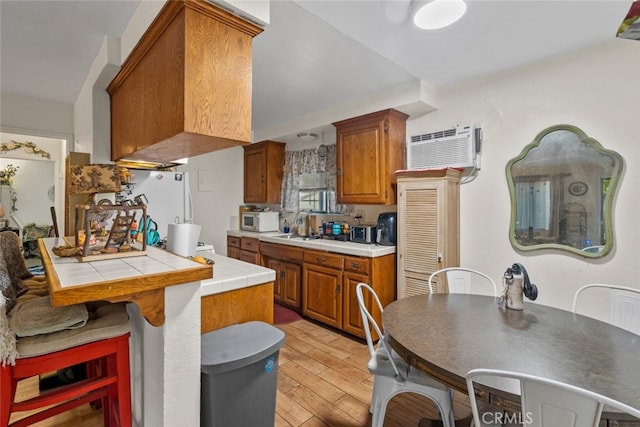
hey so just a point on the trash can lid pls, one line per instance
(239, 345)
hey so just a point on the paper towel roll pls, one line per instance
(182, 239)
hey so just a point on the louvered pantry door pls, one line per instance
(428, 232)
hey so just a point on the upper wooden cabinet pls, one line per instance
(370, 149)
(263, 163)
(185, 89)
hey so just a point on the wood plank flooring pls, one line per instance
(322, 381)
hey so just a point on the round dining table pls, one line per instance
(447, 335)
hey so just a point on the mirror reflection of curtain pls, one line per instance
(540, 202)
(533, 201)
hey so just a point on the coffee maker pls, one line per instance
(386, 229)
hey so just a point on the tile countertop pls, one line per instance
(346, 248)
(230, 274)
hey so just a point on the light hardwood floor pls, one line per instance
(322, 381)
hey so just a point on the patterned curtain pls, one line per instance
(302, 162)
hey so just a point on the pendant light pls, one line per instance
(436, 14)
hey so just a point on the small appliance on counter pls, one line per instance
(386, 229)
(363, 233)
(182, 239)
(260, 221)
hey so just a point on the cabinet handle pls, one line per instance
(355, 265)
(282, 274)
(339, 172)
(321, 259)
(439, 258)
(338, 286)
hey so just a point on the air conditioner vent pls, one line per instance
(454, 147)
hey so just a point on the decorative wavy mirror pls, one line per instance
(562, 188)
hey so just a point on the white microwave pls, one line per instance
(260, 221)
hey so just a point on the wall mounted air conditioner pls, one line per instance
(457, 147)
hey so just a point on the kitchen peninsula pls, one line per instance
(165, 359)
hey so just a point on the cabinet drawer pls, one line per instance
(325, 259)
(233, 241)
(249, 244)
(281, 252)
(357, 265)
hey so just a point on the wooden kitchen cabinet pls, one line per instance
(370, 148)
(185, 89)
(263, 171)
(233, 247)
(428, 228)
(250, 250)
(322, 287)
(329, 287)
(286, 261)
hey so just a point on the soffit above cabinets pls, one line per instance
(163, 110)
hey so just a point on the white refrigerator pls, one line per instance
(168, 196)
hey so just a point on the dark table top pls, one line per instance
(447, 335)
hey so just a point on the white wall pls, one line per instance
(596, 90)
(217, 188)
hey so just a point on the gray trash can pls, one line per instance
(239, 375)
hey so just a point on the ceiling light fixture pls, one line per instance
(438, 13)
(307, 136)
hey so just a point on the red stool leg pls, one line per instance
(7, 393)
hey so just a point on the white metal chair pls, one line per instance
(462, 280)
(544, 402)
(392, 375)
(624, 305)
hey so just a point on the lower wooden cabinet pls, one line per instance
(286, 261)
(287, 284)
(250, 250)
(329, 287)
(233, 247)
(322, 291)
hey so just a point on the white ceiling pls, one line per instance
(315, 54)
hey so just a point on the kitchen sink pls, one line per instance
(294, 237)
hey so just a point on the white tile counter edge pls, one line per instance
(345, 248)
(230, 274)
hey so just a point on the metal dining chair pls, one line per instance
(392, 375)
(544, 402)
(624, 304)
(462, 280)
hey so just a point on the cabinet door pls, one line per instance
(428, 231)
(263, 170)
(276, 266)
(233, 252)
(291, 285)
(255, 179)
(352, 320)
(322, 294)
(252, 257)
(370, 148)
(361, 164)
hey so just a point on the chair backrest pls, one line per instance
(462, 280)
(624, 304)
(369, 322)
(545, 402)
